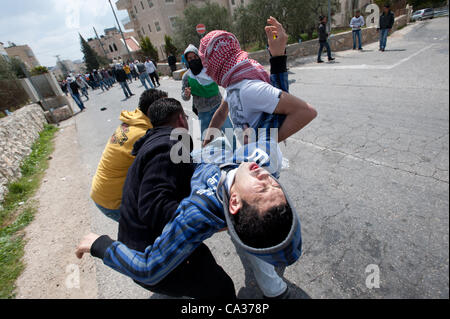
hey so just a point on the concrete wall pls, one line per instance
(339, 42)
(17, 133)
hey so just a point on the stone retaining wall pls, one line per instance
(17, 134)
(339, 42)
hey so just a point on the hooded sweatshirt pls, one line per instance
(197, 218)
(112, 170)
(204, 90)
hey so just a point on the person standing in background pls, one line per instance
(323, 39)
(356, 24)
(387, 20)
(127, 70)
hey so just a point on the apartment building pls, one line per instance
(111, 44)
(24, 53)
(156, 18)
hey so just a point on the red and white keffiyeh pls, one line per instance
(226, 63)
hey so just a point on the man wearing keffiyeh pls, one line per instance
(251, 99)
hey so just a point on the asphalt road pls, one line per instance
(370, 176)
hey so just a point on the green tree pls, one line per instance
(212, 15)
(169, 47)
(298, 17)
(91, 58)
(148, 49)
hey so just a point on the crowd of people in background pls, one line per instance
(105, 78)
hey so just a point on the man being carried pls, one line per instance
(243, 197)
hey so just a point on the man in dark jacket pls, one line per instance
(387, 20)
(152, 192)
(323, 39)
(121, 77)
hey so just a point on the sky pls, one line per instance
(51, 27)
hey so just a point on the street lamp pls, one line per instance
(120, 29)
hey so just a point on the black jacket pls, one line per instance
(153, 189)
(387, 20)
(323, 34)
(121, 76)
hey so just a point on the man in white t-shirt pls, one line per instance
(255, 103)
(151, 69)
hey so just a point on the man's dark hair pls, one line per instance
(164, 111)
(262, 230)
(148, 98)
(387, 5)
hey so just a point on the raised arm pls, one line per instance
(298, 115)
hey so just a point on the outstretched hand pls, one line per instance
(276, 37)
(84, 247)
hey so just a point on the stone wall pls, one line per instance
(339, 42)
(17, 134)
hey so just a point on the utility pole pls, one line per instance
(101, 44)
(120, 29)
(329, 15)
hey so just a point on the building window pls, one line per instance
(115, 47)
(149, 28)
(110, 48)
(142, 5)
(233, 2)
(157, 26)
(169, 1)
(173, 21)
(150, 3)
(135, 9)
(143, 31)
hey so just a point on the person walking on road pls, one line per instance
(127, 70)
(356, 24)
(73, 89)
(83, 85)
(122, 78)
(151, 70)
(143, 75)
(387, 20)
(323, 39)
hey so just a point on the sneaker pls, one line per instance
(319, 61)
(285, 295)
(331, 59)
(360, 49)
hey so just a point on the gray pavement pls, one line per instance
(370, 176)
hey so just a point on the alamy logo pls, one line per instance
(373, 279)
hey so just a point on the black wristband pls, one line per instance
(100, 246)
(278, 64)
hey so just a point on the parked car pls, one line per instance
(423, 14)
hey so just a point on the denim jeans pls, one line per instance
(84, 90)
(113, 214)
(383, 38)
(206, 117)
(77, 99)
(357, 35)
(126, 89)
(324, 45)
(103, 85)
(144, 76)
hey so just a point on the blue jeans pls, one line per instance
(324, 45)
(77, 99)
(357, 34)
(206, 117)
(383, 38)
(113, 214)
(126, 89)
(144, 76)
